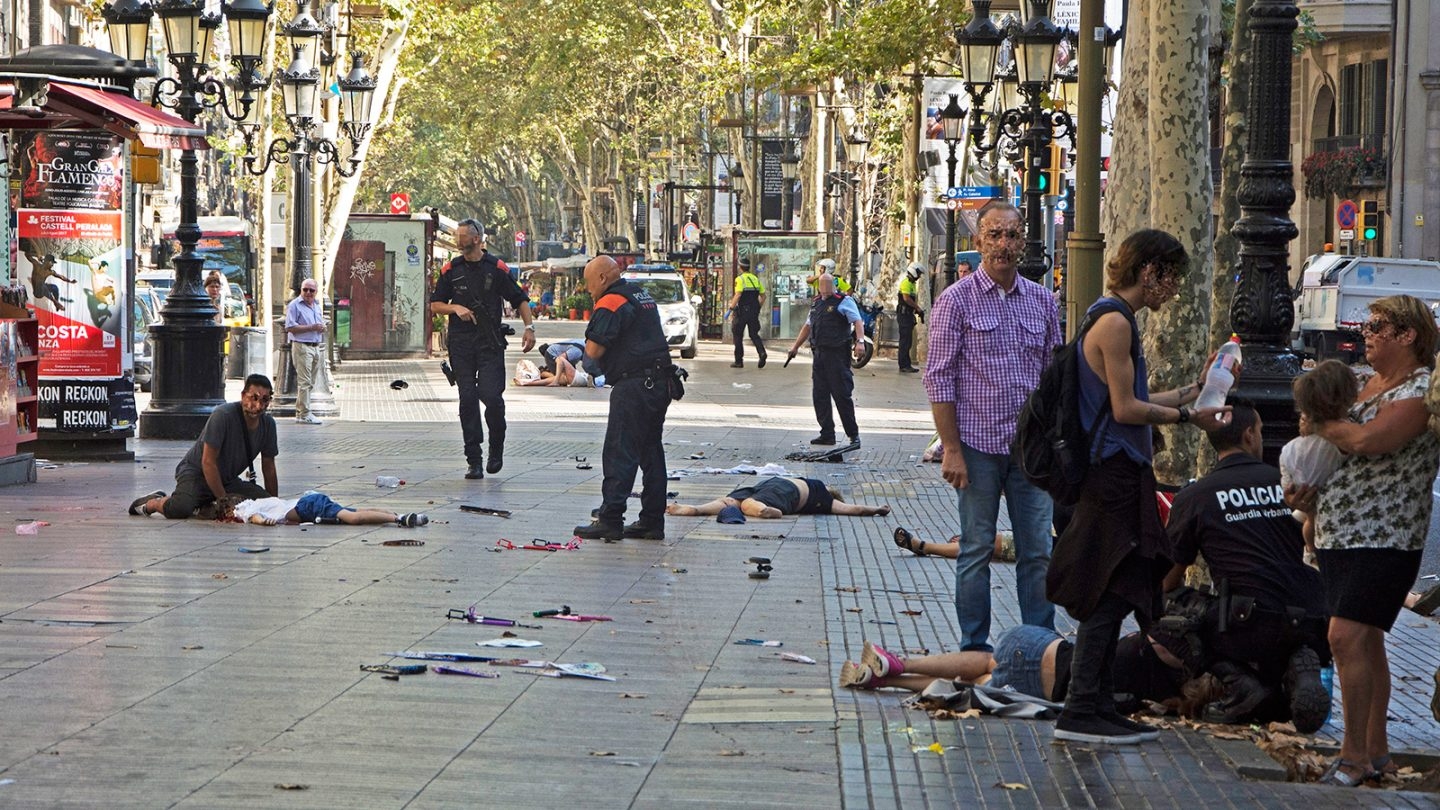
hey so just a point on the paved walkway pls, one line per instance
(146, 663)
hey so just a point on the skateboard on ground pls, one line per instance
(830, 454)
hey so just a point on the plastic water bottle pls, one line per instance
(1221, 375)
(1327, 680)
(388, 481)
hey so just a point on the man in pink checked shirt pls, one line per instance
(991, 334)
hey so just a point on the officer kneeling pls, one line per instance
(625, 337)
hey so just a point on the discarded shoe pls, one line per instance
(1309, 700)
(639, 531)
(137, 506)
(600, 531)
(411, 520)
(883, 664)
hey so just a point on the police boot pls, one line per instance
(1309, 700)
(1243, 694)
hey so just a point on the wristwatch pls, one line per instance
(529, 327)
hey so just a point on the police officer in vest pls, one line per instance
(833, 328)
(745, 308)
(906, 310)
(470, 290)
(625, 337)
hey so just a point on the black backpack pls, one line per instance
(1055, 448)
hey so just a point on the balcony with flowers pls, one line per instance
(1340, 165)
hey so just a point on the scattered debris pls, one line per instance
(405, 542)
(538, 545)
(762, 567)
(757, 642)
(428, 655)
(631, 696)
(580, 464)
(192, 647)
(797, 658)
(469, 615)
(855, 610)
(727, 752)
(441, 669)
(33, 527)
(563, 610)
(1011, 785)
(291, 786)
(519, 643)
(387, 482)
(254, 549)
(399, 385)
(484, 510)
(912, 612)
(602, 753)
(394, 669)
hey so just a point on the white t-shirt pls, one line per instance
(268, 508)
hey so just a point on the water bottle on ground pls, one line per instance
(388, 481)
(1221, 375)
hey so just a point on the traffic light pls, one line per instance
(1369, 219)
(1055, 171)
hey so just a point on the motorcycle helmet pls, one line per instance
(915, 270)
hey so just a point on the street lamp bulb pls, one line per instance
(188, 29)
(357, 93)
(855, 144)
(979, 45)
(952, 119)
(1035, 45)
(1031, 9)
(128, 23)
(299, 87)
(247, 20)
(304, 31)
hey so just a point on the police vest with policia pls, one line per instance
(745, 308)
(907, 309)
(834, 330)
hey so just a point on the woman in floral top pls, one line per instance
(1371, 519)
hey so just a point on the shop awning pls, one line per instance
(74, 106)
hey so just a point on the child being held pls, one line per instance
(312, 507)
(1322, 394)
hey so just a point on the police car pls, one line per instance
(677, 307)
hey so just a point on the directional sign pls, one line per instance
(953, 205)
(1347, 234)
(973, 192)
(400, 203)
(1345, 213)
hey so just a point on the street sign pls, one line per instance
(1345, 214)
(519, 239)
(1347, 234)
(400, 203)
(1062, 205)
(954, 205)
(972, 192)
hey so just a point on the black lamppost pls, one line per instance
(952, 125)
(789, 168)
(188, 378)
(1261, 312)
(300, 86)
(855, 144)
(1024, 121)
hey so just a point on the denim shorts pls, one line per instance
(318, 505)
(1017, 659)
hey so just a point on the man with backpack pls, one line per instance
(1111, 558)
(991, 335)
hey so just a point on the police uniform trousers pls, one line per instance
(746, 319)
(831, 379)
(479, 367)
(632, 441)
(905, 319)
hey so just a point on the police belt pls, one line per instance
(648, 372)
(1241, 609)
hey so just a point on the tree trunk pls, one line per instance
(1127, 192)
(1177, 335)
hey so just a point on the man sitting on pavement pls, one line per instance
(1265, 636)
(234, 434)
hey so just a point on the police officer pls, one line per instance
(906, 310)
(470, 290)
(827, 266)
(833, 327)
(625, 337)
(745, 308)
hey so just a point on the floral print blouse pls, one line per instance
(1381, 501)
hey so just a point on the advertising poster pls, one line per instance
(69, 261)
(71, 170)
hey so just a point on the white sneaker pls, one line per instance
(308, 419)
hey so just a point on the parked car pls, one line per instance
(677, 307)
(146, 313)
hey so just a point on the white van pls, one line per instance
(677, 307)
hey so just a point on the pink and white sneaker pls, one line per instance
(883, 664)
(858, 676)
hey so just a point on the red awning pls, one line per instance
(153, 127)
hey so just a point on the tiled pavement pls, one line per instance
(146, 663)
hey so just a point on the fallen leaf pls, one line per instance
(632, 695)
(192, 647)
(848, 590)
(913, 612)
(937, 748)
(728, 753)
(219, 576)
(1012, 785)
(854, 610)
(1227, 735)
(787, 691)
(804, 731)
(642, 601)
(602, 753)
(291, 786)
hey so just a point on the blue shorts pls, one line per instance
(1018, 653)
(318, 505)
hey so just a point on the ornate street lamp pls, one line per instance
(300, 93)
(1020, 115)
(952, 126)
(188, 371)
(855, 145)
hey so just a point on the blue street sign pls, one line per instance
(973, 192)
(1062, 205)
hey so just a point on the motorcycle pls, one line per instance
(869, 314)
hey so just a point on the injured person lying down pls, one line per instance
(775, 497)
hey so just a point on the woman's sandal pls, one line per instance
(904, 539)
(1381, 767)
(1334, 776)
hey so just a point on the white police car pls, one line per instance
(677, 307)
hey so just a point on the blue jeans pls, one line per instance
(1018, 660)
(1031, 511)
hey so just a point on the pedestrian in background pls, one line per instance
(1114, 553)
(305, 327)
(472, 289)
(745, 308)
(991, 334)
(1371, 520)
(625, 337)
(833, 328)
(907, 308)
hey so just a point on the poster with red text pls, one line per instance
(68, 259)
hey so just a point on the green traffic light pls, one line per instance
(1370, 234)
(1044, 181)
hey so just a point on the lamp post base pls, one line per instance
(189, 380)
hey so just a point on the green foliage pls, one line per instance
(580, 302)
(1337, 172)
